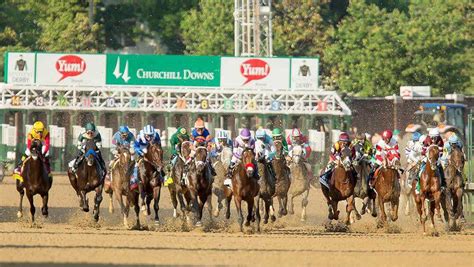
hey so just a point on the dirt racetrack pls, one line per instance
(69, 236)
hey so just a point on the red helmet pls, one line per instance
(387, 134)
(344, 137)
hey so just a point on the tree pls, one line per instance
(298, 29)
(209, 29)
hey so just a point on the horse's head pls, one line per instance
(346, 155)
(226, 156)
(124, 155)
(279, 148)
(259, 150)
(433, 155)
(186, 149)
(247, 160)
(91, 154)
(456, 158)
(35, 148)
(200, 158)
(154, 155)
(359, 153)
(297, 153)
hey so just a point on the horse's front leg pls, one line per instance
(304, 204)
(174, 199)
(257, 210)
(383, 216)
(156, 201)
(459, 207)
(227, 204)
(291, 205)
(349, 209)
(250, 212)
(21, 191)
(84, 201)
(32, 206)
(238, 206)
(44, 209)
(119, 198)
(97, 201)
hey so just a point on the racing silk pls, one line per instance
(336, 150)
(117, 140)
(268, 146)
(84, 137)
(239, 146)
(141, 143)
(366, 146)
(447, 150)
(44, 138)
(176, 140)
(205, 137)
(390, 151)
(413, 151)
(304, 144)
(216, 147)
(285, 146)
(430, 141)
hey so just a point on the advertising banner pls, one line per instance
(70, 69)
(263, 73)
(20, 68)
(304, 73)
(162, 70)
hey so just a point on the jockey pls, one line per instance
(277, 135)
(434, 138)
(38, 132)
(342, 142)
(219, 142)
(385, 148)
(241, 142)
(146, 137)
(362, 139)
(201, 136)
(90, 133)
(453, 140)
(268, 146)
(298, 138)
(122, 138)
(176, 140)
(413, 150)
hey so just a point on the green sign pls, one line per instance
(163, 70)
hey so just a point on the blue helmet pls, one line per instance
(453, 139)
(416, 136)
(124, 129)
(260, 133)
(148, 130)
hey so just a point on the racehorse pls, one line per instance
(430, 185)
(221, 165)
(88, 178)
(406, 188)
(282, 178)
(246, 188)
(452, 204)
(179, 189)
(387, 186)
(341, 186)
(35, 181)
(121, 171)
(200, 184)
(150, 167)
(362, 167)
(300, 181)
(267, 183)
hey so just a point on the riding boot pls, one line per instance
(210, 173)
(271, 169)
(211, 168)
(78, 160)
(256, 174)
(441, 176)
(230, 170)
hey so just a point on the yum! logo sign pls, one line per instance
(254, 69)
(70, 66)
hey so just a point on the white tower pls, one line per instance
(253, 28)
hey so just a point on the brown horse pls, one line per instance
(430, 186)
(362, 167)
(180, 174)
(35, 181)
(88, 178)
(452, 204)
(245, 187)
(149, 170)
(200, 184)
(282, 176)
(387, 186)
(300, 180)
(267, 183)
(121, 171)
(221, 165)
(341, 186)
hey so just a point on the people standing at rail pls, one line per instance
(90, 133)
(38, 132)
(241, 142)
(336, 150)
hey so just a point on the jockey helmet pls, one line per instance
(182, 131)
(260, 133)
(367, 136)
(90, 127)
(453, 139)
(124, 129)
(148, 130)
(387, 135)
(434, 132)
(276, 132)
(415, 136)
(245, 134)
(199, 124)
(344, 137)
(221, 135)
(38, 127)
(296, 132)
(360, 136)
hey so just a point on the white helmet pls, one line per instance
(422, 138)
(434, 132)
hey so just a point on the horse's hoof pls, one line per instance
(85, 209)
(273, 218)
(247, 223)
(358, 216)
(198, 224)
(157, 221)
(291, 212)
(374, 214)
(265, 221)
(143, 208)
(19, 214)
(380, 224)
(303, 219)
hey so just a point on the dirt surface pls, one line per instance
(69, 236)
